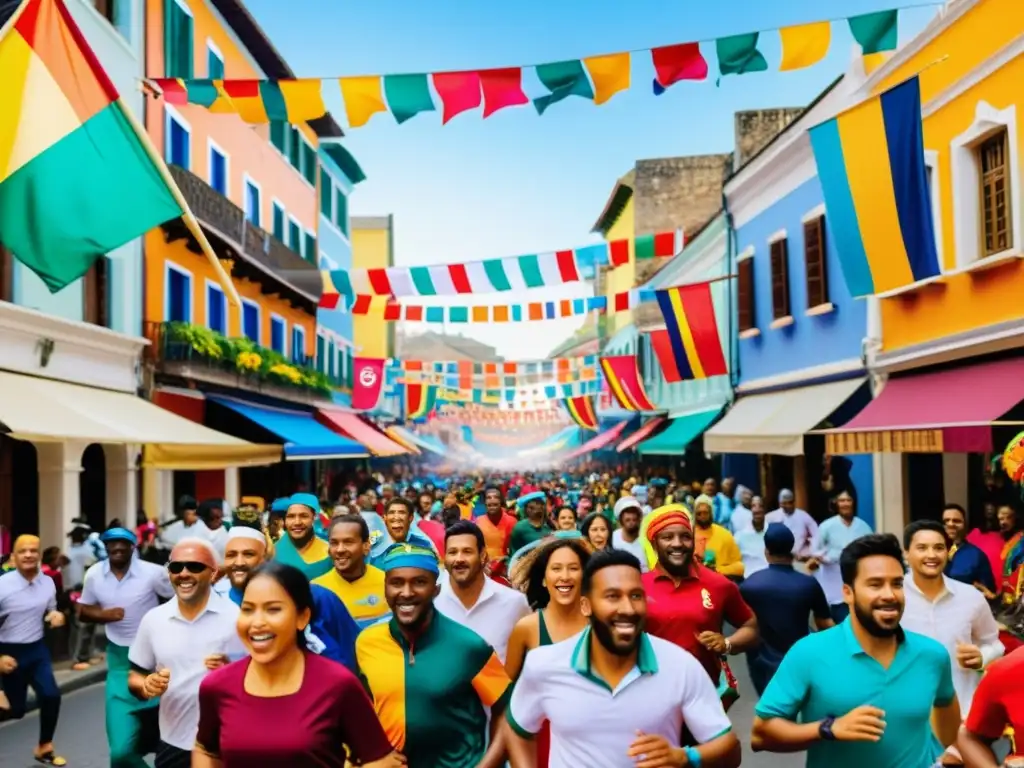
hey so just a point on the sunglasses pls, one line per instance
(192, 567)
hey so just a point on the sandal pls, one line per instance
(50, 758)
(81, 666)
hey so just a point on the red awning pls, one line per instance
(641, 434)
(949, 411)
(351, 426)
(597, 443)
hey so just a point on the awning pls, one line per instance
(641, 434)
(602, 440)
(951, 411)
(404, 441)
(350, 425)
(680, 432)
(776, 423)
(420, 441)
(303, 436)
(43, 410)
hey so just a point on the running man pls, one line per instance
(618, 697)
(299, 546)
(360, 586)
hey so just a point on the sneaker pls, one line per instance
(81, 666)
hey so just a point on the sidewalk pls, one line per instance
(69, 681)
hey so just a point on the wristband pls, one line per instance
(692, 757)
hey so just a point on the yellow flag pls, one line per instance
(223, 105)
(302, 99)
(804, 45)
(363, 99)
(873, 61)
(610, 75)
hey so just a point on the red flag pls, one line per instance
(673, 63)
(459, 92)
(367, 382)
(502, 88)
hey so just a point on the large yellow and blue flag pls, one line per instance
(871, 165)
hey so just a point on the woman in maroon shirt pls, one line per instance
(284, 706)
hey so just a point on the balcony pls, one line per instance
(193, 353)
(256, 255)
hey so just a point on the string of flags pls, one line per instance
(470, 369)
(594, 78)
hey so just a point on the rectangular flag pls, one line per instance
(871, 164)
(76, 180)
(581, 410)
(623, 377)
(689, 312)
(419, 400)
(367, 382)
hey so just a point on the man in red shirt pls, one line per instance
(496, 525)
(688, 604)
(998, 703)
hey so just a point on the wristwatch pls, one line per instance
(693, 759)
(825, 729)
(728, 647)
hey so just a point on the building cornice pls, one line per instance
(973, 343)
(850, 367)
(15, 318)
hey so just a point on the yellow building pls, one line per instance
(373, 247)
(949, 363)
(618, 222)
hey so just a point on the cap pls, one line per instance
(118, 534)
(778, 540)
(627, 502)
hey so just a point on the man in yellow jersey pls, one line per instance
(359, 585)
(299, 546)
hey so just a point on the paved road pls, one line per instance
(80, 734)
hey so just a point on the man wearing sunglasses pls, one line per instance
(178, 643)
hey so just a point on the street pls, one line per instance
(81, 739)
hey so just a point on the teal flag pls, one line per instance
(876, 32)
(563, 79)
(408, 95)
(738, 55)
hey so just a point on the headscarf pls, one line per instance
(654, 520)
(706, 500)
(408, 556)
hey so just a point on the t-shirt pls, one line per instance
(497, 537)
(524, 532)
(999, 701)
(783, 599)
(363, 597)
(313, 561)
(308, 728)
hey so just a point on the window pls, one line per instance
(996, 221)
(745, 294)
(780, 278)
(310, 246)
(332, 361)
(214, 62)
(294, 235)
(308, 163)
(279, 135)
(814, 258)
(177, 140)
(326, 196)
(277, 211)
(278, 327)
(96, 293)
(251, 320)
(218, 167)
(118, 13)
(341, 212)
(252, 202)
(216, 308)
(177, 39)
(6, 275)
(178, 298)
(321, 351)
(294, 148)
(298, 344)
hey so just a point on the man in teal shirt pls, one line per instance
(863, 693)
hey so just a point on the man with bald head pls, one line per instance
(28, 599)
(178, 643)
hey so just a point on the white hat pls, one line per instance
(627, 502)
(245, 532)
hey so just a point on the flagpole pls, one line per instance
(186, 212)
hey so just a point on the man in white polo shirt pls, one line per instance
(118, 592)
(178, 643)
(467, 596)
(615, 696)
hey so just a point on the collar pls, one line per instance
(214, 604)
(780, 567)
(852, 645)
(424, 639)
(947, 587)
(646, 661)
(661, 574)
(490, 588)
(127, 574)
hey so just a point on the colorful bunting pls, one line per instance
(624, 381)
(420, 400)
(496, 369)
(673, 63)
(363, 99)
(804, 45)
(408, 95)
(502, 88)
(459, 92)
(563, 79)
(610, 74)
(738, 55)
(876, 32)
(506, 396)
(582, 411)
(696, 347)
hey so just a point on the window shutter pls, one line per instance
(326, 195)
(294, 148)
(308, 163)
(997, 232)
(6, 275)
(341, 212)
(278, 132)
(780, 279)
(278, 222)
(95, 293)
(745, 294)
(310, 248)
(814, 257)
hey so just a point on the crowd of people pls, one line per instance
(530, 620)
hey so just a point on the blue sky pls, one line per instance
(518, 183)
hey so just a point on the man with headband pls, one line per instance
(435, 709)
(118, 592)
(534, 526)
(299, 546)
(28, 599)
(178, 643)
(688, 604)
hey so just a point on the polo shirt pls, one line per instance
(433, 696)
(968, 564)
(363, 597)
(23, 604)
(718, 541)
(497, 537)
(524, 532)
(313, 561)
(828, 674)
(167, 640)
(999, 701)
(751, 546)
(141, 589)
(703, 602)
(493, 616)
(385, 540)
(959, 614)
(802, 526)
(593, 724)
(783, 599)
(833, 536)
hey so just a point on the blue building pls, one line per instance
(339, 173)
(801, 336)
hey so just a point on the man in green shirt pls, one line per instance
(535, 526)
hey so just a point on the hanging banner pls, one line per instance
(367, 382)
(694, 347)
(582, 411)
(625, 383)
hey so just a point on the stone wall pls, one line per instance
(755, 128)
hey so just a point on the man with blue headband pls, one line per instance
(118, 592)
(535, 526)
(436, 710)
(299, 546)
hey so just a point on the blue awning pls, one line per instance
(679, 433)
(303, 436)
